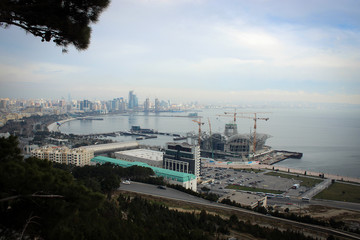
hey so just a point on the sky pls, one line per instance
(210, 51)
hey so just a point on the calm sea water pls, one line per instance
(328, 138)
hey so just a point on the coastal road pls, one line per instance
(166, 193)
(327, 203)
(173, 194)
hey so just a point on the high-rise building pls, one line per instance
(4, 103)
(147, 105)
(85, 105)
(133, 101)
(157, 105)
(182, 157)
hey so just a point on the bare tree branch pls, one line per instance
(27, 223)
(31, 195)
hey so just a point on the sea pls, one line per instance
(328, 136)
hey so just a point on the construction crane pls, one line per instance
(231, 113)
(199, 123)
(255, 118)
(230, 129)
(234, 113)
(211, 144)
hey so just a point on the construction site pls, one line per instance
(240, 147)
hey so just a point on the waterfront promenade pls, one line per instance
(53, 127)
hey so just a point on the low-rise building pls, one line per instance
(112, 147)
(150, 157)
(186, 180)
(247, 199)
(64, 155)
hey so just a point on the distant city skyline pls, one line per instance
(213, 52)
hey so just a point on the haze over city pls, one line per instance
(208, 51)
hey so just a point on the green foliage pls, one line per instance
(150, 180)
(305, 181)
(231, 203)
(64, 22)
(253, 189)
(158, 222)
(341, 192)
(9, 150)
(208, 196)
(57, 206)
(106, 177)
(205, 189)
(155, 221)
(248, 170)
(33, 188)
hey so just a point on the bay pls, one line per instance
(328, 137)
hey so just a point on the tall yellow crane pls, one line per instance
(211, 144)
(255, 118)
(199, 123)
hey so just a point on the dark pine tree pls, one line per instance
(65, 22)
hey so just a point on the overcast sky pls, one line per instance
(218, 51)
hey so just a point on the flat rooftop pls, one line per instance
(169, 174)
(109, 147)
(144, 153)
(243, 198)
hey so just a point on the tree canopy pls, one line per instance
(38, 201)
(65, 22)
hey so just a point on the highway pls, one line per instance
(327, 203)
(168, 193)
(173, 194)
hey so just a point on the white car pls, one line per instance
(126, 182)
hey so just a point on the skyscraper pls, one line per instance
(157, 105)
(147, 105)
(133, 101)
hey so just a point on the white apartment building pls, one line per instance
(150, 157)
(76, 156)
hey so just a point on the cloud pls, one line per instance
(203, 50)
(35, 72)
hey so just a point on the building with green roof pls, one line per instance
(184, 179)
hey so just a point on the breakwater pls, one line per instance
(274, 156)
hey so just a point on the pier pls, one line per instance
(138, 132)
(274, 156)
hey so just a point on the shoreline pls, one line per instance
(279, 164)
(53, 127)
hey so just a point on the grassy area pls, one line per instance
(248, 170)
(251, 189)
(305, 181)
(341, 192)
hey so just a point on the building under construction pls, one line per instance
(232, 145)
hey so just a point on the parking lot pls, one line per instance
(217, 179)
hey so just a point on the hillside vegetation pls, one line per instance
(38, 201)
